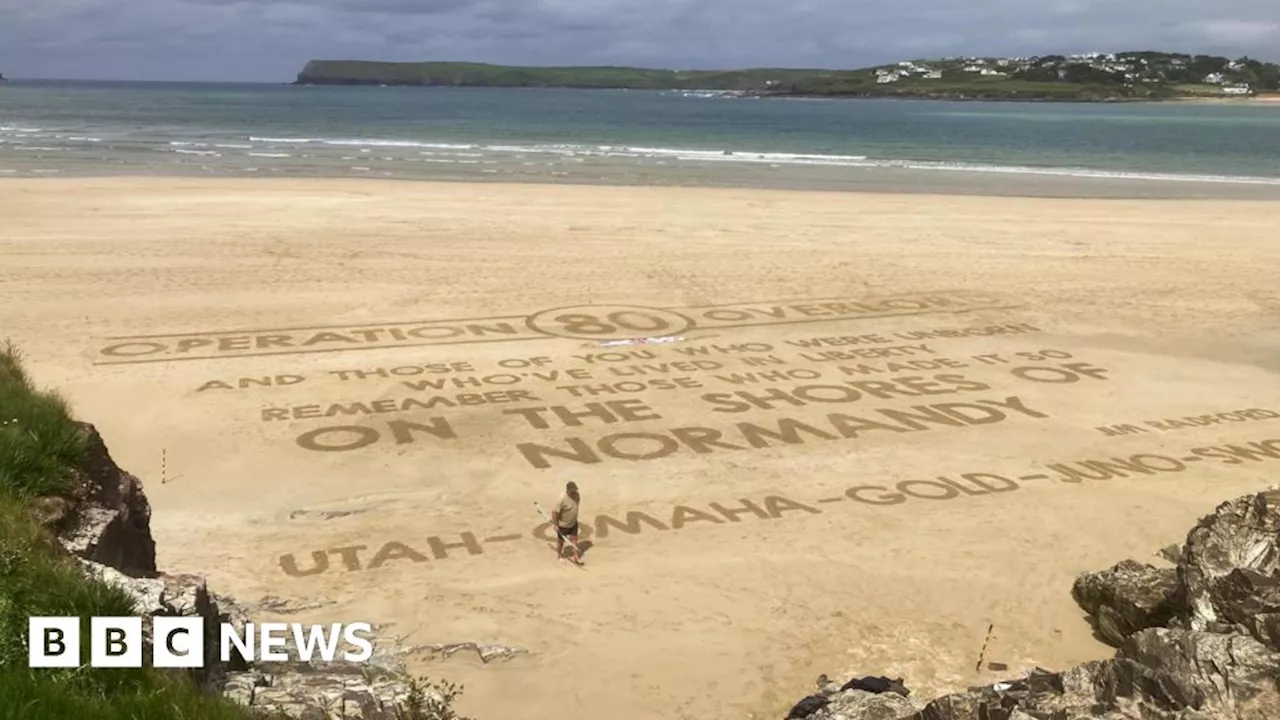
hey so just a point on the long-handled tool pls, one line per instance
(547, 517)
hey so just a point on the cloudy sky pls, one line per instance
(270, 40)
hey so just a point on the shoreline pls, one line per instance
(842, 180)
(985, 149)
(1119, 100)
(1267, 98)
(1264, 98)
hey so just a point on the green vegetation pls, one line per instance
(358, 72)
(1141, 75)
(41, 449)
(40, 446)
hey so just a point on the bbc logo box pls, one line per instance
(54, 642)
(179, 642)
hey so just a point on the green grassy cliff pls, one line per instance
(356, 72)
(1096, 76)
(41, 449)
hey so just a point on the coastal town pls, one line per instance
(1241, 77)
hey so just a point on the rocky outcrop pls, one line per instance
(104, 516)
(1252, 602)
(843, 704)
(867, 698)
(1230, 568)
(181, 596)
(1158, 674)
(1126, 598)
(104, 521)
(323, 696)
(1200, 641)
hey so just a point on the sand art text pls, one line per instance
(940, 488)
(594, 322)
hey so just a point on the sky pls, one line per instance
(270, 40)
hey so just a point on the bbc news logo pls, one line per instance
(179, 642)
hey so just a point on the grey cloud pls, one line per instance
(271, 39)
(400, 7)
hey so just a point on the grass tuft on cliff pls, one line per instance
(36, 579)
(41, 448)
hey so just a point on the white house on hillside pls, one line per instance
(1235, 90)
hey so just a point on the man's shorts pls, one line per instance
(567, 532)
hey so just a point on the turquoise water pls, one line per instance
(78, 128)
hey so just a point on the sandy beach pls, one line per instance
(879, 424)
(1264, 98)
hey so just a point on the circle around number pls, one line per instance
(608, 322)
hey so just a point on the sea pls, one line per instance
(73, 128)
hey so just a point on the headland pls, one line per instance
(1090, 77)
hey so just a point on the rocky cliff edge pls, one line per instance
(1196, 641)
(104, 521)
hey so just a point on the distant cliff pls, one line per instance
(458, 74)
(1141, 75)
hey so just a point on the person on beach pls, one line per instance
(565, 517)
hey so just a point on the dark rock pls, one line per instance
(1252, 601)
(1126, 598)
(1158, 674)
(1229, 675)
(176, 596)
(105, 518)
(975, 704)
(887, 700)
(1243, 534)
(1197, 642)
(862, 705)
(807, 706)
(876, 685)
